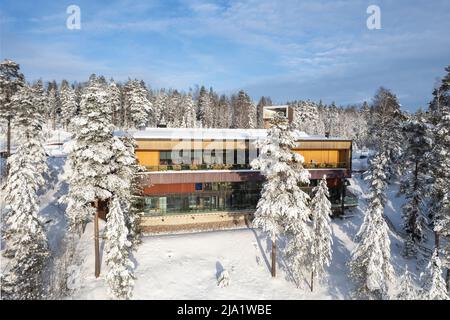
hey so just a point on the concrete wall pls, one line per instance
(196, 222)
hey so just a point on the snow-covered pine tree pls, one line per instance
(283, 206)
(332, 119)
(189, 111)
(434, 287)
(68, 104)
(370, 264)
(441, 98)
(53, 105)
(243, 111)
(322, 235)
(407, 290)
(11, 79)
(174, 112)
(440, 159)
(115, 102)
(440, 208)
(414, 181)
(223, 112)
(306, 117)
(385, 128)
(133, 206)
(264, 101)
(99, 164)
(120, 268)
(101, 167)
(205, 114)
(137, 103)
(40, 98)
(159, 107)
(25, 234)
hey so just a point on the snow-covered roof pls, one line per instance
(212, 134)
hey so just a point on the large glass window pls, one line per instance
(213, 197)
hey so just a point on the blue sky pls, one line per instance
(283, 49)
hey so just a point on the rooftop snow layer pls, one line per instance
(212, 134)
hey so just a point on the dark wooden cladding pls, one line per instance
(172, 177)
(197, 177)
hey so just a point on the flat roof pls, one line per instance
(213, 134)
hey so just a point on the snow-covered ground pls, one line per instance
(186, 266)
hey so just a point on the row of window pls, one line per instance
(211, 197)
(199, 157)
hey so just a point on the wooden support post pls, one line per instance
(342, 196)
(274, 258)
(96, 240)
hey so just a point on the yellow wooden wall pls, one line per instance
(148, 158)
(151, 157)
(320, 156)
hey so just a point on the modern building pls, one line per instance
(202, 179)
(269, 113)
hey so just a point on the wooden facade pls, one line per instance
(322, 156)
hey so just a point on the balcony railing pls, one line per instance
(326, 165)
(185, 167)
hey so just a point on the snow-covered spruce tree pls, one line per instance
(322, 235)
(406, 290)
(25, 236)
(370, 264)
(433, 286)
(68, 104)
(120, 268)
(414, 181)
(283, 206)
(115, 102)
(138, 104)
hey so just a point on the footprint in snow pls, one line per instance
(258, 258)
(169, 254)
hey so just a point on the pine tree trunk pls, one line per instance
(312, 281)
(447, 279)
(274, 258)
(8, 138)
(436, 240)
(97, 246)
(54, 121)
